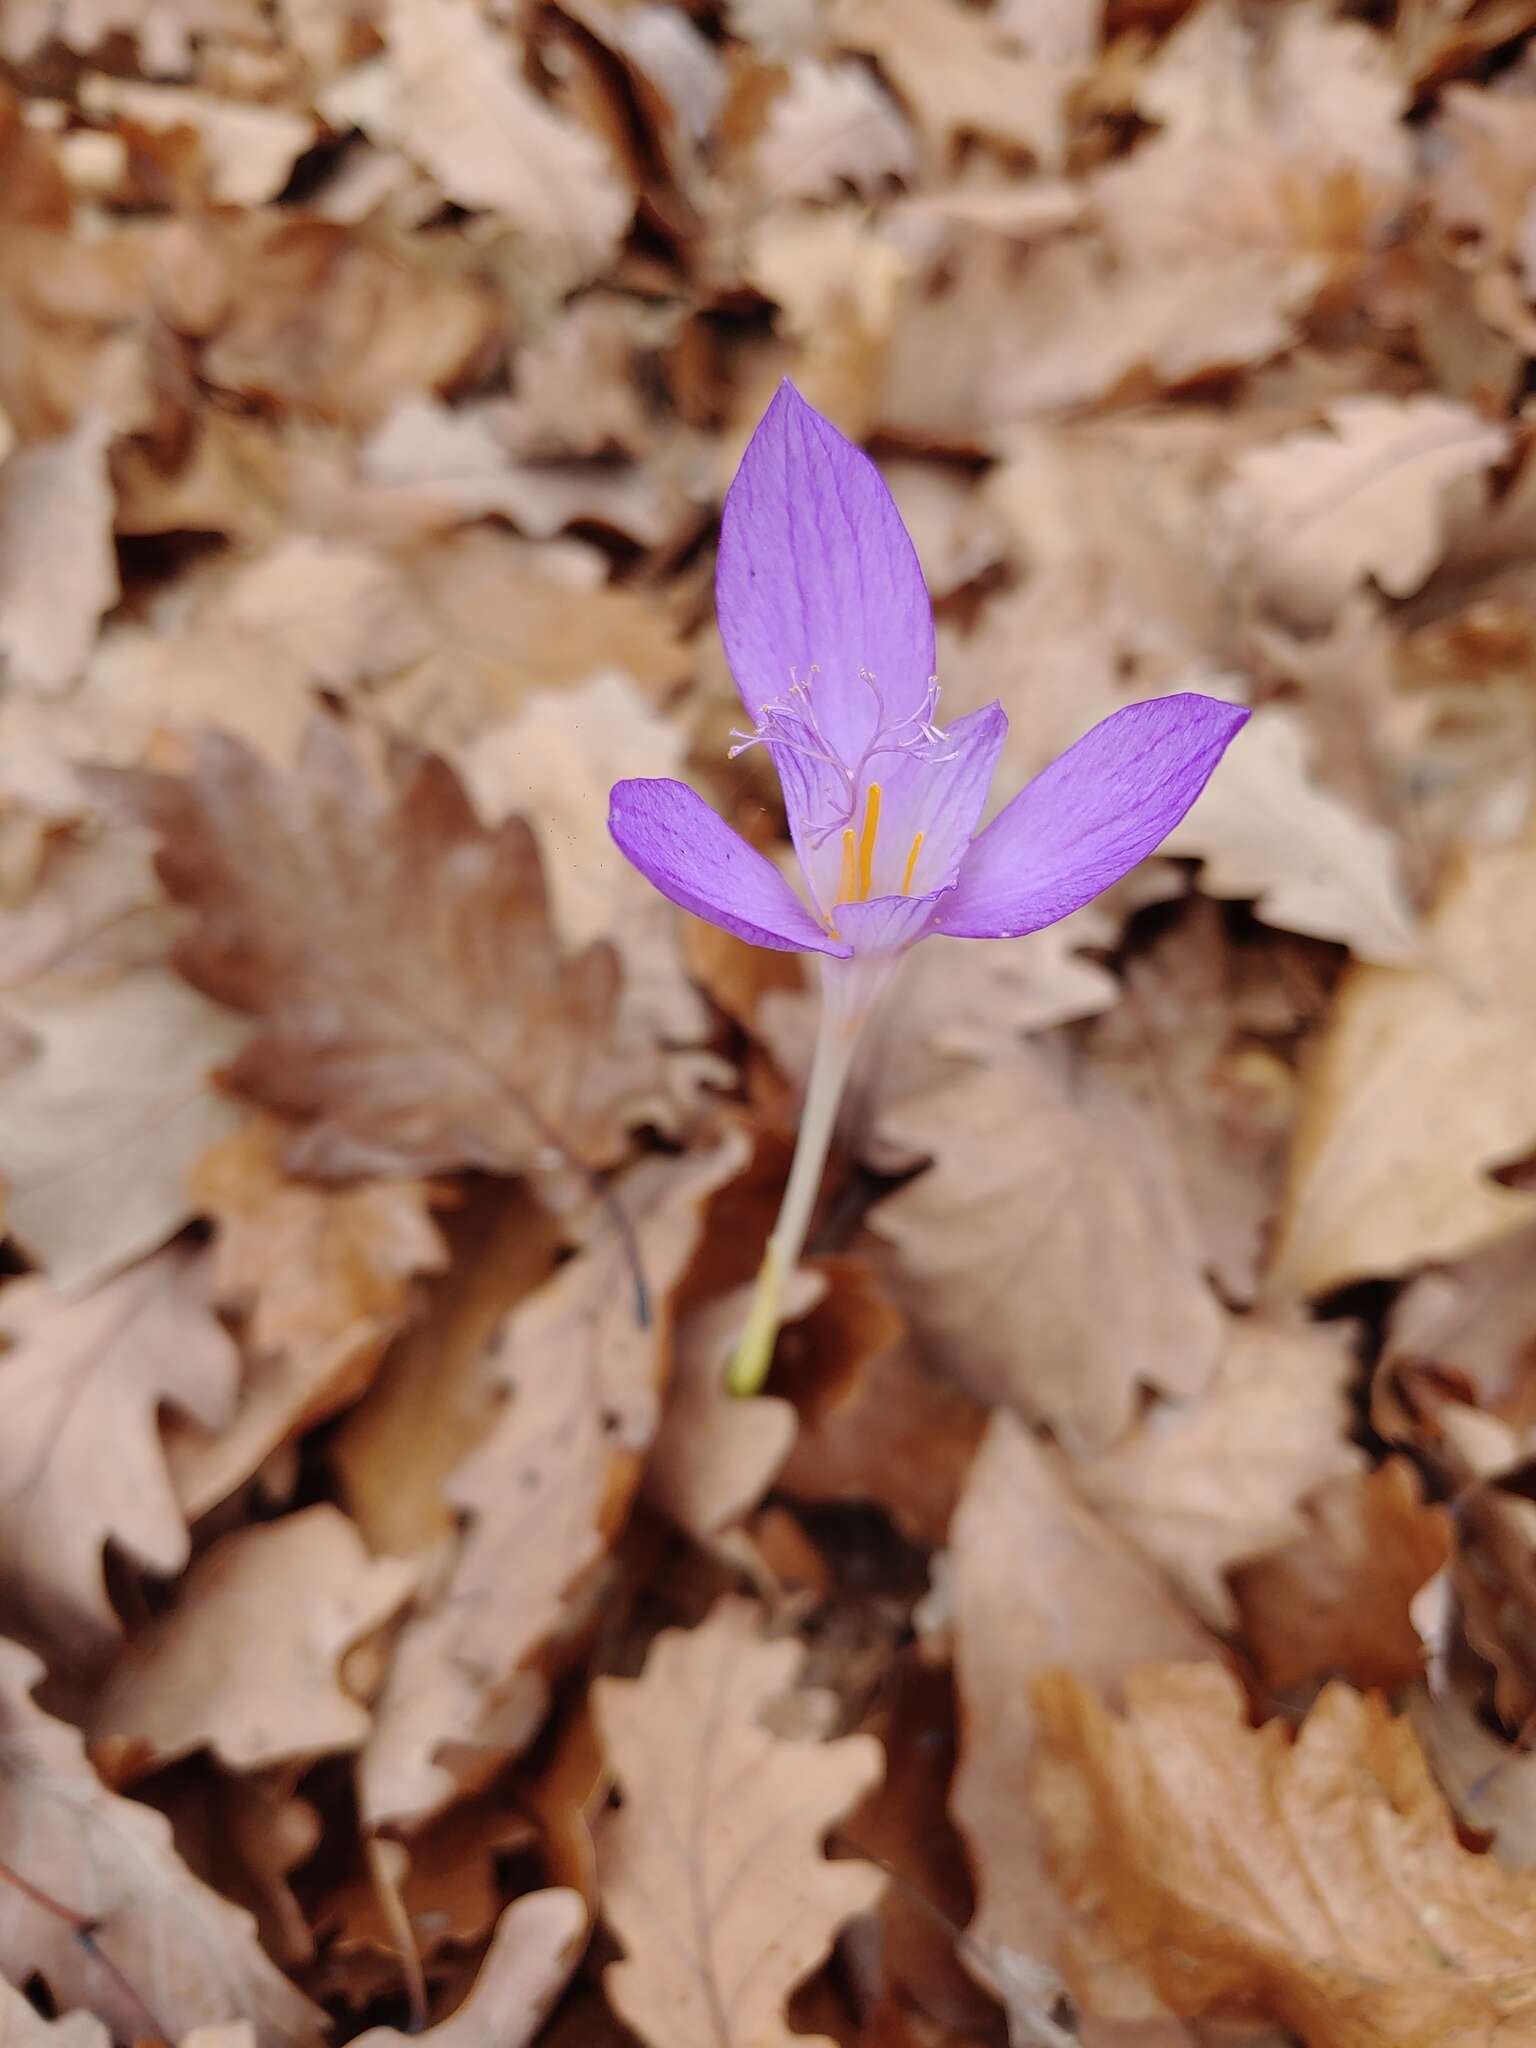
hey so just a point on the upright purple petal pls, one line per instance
(694, 858)
(817, 572)
(1090, 817)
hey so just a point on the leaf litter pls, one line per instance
(1115, 1621)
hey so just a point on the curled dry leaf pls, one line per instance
(1047, 1259)
(536, 1946)
(248, 1662)
(1421, 1086)
(413, 1001)
(166, 1952)
(1038, 1582)
(1337, 1600)
(82, 1382)
(1205, 1483)
(58, 568)
(101, 1126)
(542, 1495)
(1318, 1882)
(713, 1874)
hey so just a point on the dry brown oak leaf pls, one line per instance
(325, 1276)
(1338, 1600)
(1203, 1484)
(248, 1663)
(1317, 1881)
(99, 1127)
(166, 1953)
(1422, 1085)
(713, 1877)
(413, 1002)
(541, 1496)
(1048, 1258)
(81, 1387)
(1037, 1581)
(537, 1944)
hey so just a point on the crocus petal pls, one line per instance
(943, 798)
(692, 856)
(1090, 817)
(886, 924)
(816, 570)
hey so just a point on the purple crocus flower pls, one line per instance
(829, 632)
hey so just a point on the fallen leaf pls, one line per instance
(164, 1949)
(436, 1392)
(1477, 1317)
(309, 1264)
(713, 1877)
(1309, 862)
(560, 756)
(961, 74)
(100, 1128)
(449, 1893)
(83, 1382)
(1188, 1042)
(249, 150)
(1037, 1582)
(93, 913)
(1204, 1483)
(23, 2026)
(248, 1662)
(1312, 515)
(874, 1426)
(55, 509)
(536, 1946)
(716, 1454)
(1376, 1186)
(1047, 1258)
(1490, 1781)
(448, 91)
(163, 29)
(1194, 1837)
(412, 1000)
(577, 392)
(831, 127)
(544, 1491)
(1335, 1601)
(311, 317)
(511, 617)
(325, 1278)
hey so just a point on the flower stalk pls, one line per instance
(839, 1028)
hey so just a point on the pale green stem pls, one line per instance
(845, 1007)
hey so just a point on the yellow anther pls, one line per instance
(906, 880)
(867, 843)
(847, 879)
